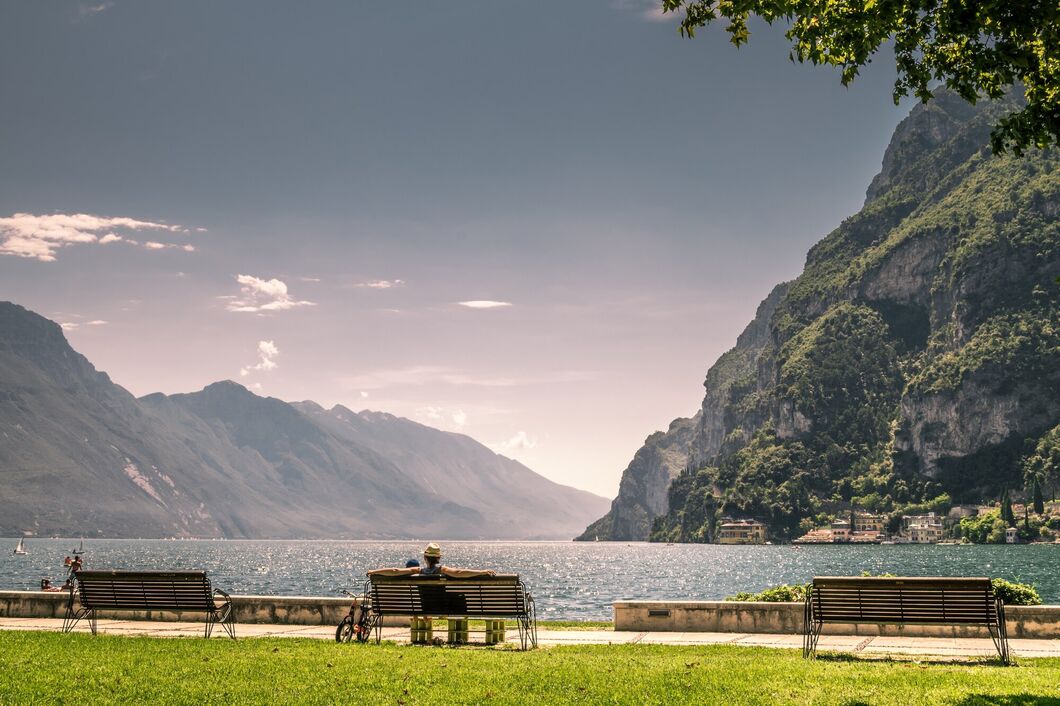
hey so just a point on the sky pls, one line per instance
(535, 223)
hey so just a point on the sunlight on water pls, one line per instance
(577, 581)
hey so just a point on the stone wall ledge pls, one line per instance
(1034, 622)
(283, 610)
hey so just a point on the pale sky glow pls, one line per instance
(537, 224)
(485, 304)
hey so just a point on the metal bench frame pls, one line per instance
(488, 597)
(904, 601)
(148, 590)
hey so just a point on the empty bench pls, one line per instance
(147, 591)
(904, 601)
(501, 597)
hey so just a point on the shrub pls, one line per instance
(1016, 593)
(1010, 592)
(777, 594)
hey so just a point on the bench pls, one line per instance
(498, 597)
(904, 601)
(149, 590)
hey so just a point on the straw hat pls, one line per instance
(433, 550)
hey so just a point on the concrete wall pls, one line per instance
(287, 610)
(754, 617)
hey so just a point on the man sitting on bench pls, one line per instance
(432, 556)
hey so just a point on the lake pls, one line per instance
(569, 580)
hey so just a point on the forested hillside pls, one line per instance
(916, 360)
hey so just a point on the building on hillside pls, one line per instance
(867, 522)
(821, 535)
(742, 532)
(922, 529)
(841, 531)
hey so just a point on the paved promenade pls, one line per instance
(953, 648)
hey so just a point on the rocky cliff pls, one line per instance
(911, 364)
(643, 495)
(80, 455)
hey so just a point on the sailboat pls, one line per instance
(21, 547)
(80, 548)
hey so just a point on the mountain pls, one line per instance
(79, 454)
(913, 364)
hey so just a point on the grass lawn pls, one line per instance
(49, 668)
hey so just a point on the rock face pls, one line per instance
(80, 455)
(643, 493)
(912, 363)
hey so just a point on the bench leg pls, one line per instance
(1000, 634)
(811, 631)
(807, 626)
(72, 618)
(223, 616)
(528, 624)
(92, 620)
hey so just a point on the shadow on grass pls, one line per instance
(918, 659)
(1008, 700)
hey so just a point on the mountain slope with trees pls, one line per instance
(916, 360)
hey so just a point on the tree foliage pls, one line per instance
(1036, 495)
(975, 48)
(1043, 464)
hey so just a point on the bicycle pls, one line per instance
(358, 623)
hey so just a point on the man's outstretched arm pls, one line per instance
(394, 572)
(467, 573)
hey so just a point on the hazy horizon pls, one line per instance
(534, 225)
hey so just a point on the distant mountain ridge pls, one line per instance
(913, 364)
(79, 454)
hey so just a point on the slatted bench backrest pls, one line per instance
(145, 590)
(923, 600)
(484, 597)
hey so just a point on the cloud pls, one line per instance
(380, 284)
(259, 295)
(484, 304)
(74, 325)
(650, 10)
(267, 354)
(443, 417)
(364, 395)
(40, 236)
(86, 10)
(521, 441)
(416, 375)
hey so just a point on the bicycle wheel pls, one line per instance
(344, 632)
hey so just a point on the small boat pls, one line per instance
(80, 548)
(20, 548)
